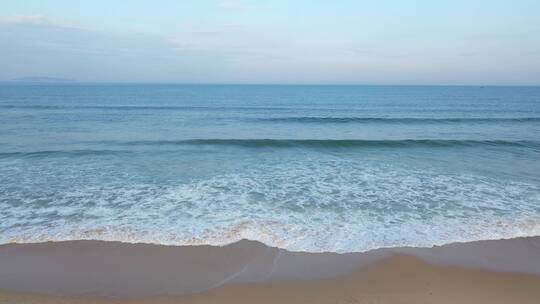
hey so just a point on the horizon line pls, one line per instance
(77, 82)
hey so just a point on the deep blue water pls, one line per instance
(316, 168)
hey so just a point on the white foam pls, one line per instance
(303, 205)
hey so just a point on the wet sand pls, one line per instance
(504, 271)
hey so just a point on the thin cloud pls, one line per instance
(28, 19)
(36, 20)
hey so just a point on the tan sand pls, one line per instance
(501, 271)
(399, 279)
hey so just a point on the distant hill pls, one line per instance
(42, 79)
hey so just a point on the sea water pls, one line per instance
(306, 168)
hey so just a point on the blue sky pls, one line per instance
(243, 41)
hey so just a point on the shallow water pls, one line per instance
(311, 168)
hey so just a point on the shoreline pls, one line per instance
(101, 271)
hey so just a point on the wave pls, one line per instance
(139, 107)
(339, 143)
(403, 120)
(308, 203)
(67, 107)
(292, 119)
(278, 143)
(61, 153)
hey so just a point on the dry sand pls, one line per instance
(253, 273)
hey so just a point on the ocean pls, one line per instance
(305, 168)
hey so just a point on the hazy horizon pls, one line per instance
(484, 43)
(71, 81)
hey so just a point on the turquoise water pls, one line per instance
(310, 168)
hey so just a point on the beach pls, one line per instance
(253, 152)
(172, 193)
(501, 271)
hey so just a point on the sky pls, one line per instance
(273, 41)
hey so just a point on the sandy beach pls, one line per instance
(504, 271)
(257, 152)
